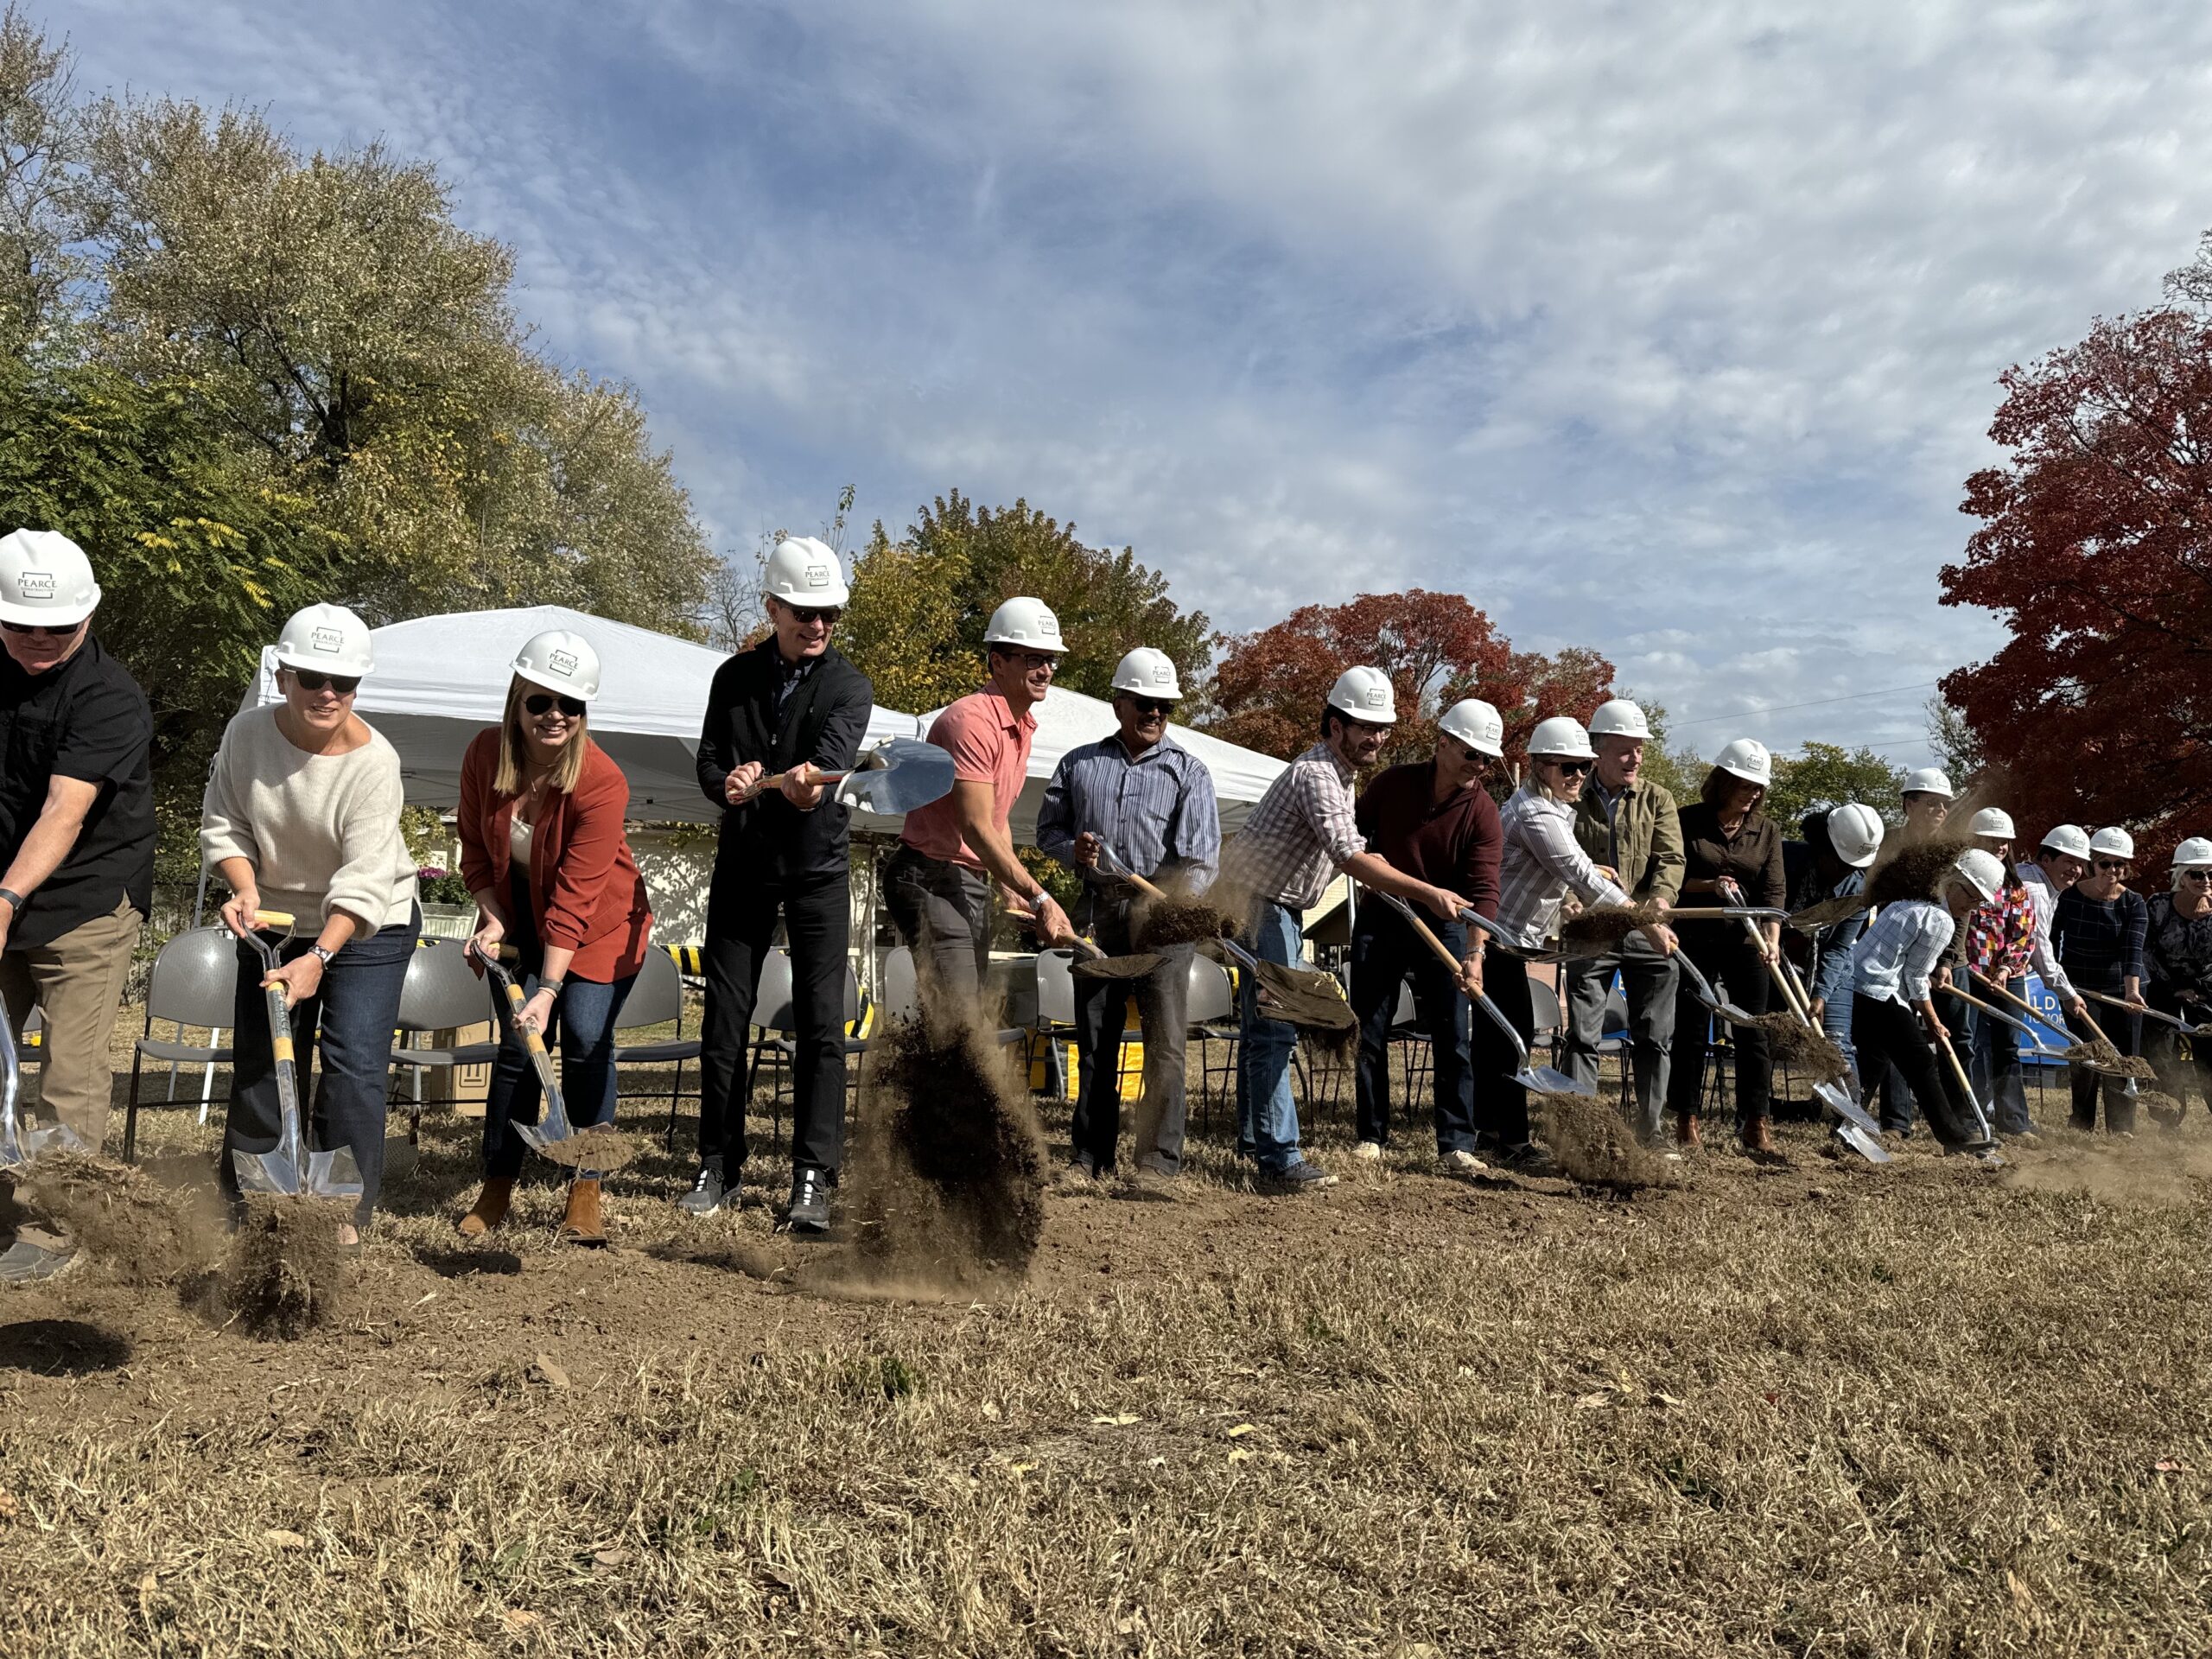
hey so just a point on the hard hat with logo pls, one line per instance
(1746, 757)
(2070, 839)
(2194, 853)
(2112, 842)
(560, 661)
(1855, 832)
(804, 572)
(1992, 822)
(1147, 673)
(1028, 623)
(1927, 781)
(1619, 718)
(46, 581)
(1984, 873)
(1476, 724)
(1366, 694)
(1561, 739)
(326, 638)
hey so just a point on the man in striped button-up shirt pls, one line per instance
(1153, 801)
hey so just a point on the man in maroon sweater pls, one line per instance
(1435, 822)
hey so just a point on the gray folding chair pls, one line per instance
(440, 992)
(1211, 1010)
(195, 982)
(655, 1000)
(778, 1024)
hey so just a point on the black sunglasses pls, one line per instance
(311, 680)
(1150, 705)
(2112, 863)
(2197, 875)
(1574, 768)
(40, 628)
(807, 615)
(539, 701)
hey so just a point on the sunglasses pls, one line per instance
(311, 680)
(807, 616)
(1151, 706)
(40, 628)
(2112, 863)
(538, 703)
(1574, 768)
(2196, 875)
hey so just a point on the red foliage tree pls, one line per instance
(1270, 685)
(2094, 549)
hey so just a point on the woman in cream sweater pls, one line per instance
(303, 814)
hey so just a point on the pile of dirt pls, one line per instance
(1827, 912)
(1914, 871)
(1605, 926)
(2099, 1054)
(1179, 921)
(603, 1148)
(2164, 1109)
(1801, 1048)
(1594, 1145)
(948, 1175)
(141, 1232)
(287, 1270)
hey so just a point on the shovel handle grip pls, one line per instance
(275, 919)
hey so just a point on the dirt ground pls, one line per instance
(1811, 1410)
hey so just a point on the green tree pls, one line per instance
(1677, 770)
(43, 209)
(1826, 775)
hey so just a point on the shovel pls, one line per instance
(2118, 1067)
(2173, 1020)
(288, 1169)
(18, 1144)
(1854, 1126)
(2003, 1018)
(1092, 962)
(1297, 996)
(554, 1127)
(1570, 948)
(898, 775)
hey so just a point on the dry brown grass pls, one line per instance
(1816, 1409)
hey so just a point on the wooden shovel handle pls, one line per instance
(1774, 972)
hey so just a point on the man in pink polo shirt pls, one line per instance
(938, 884)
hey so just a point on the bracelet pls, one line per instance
(551, 986)
(14, 900)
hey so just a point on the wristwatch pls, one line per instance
(320, 955)
(15, 900)
(551, 987)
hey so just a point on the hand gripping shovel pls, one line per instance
(1854, 1128)
(289, 1169)
(898, 775)
(2162, 1018)
(1599, 930)
(553, 1137)
(1541, 1080)
(1297, 996)
(2098, 1056)
(19, 1144)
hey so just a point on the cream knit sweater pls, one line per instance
(321, 830)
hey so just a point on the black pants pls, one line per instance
(942, 912)
(740, 927)
(1727, 958)
(1891, 1031)
(2125, 1031)
(1101, 1013)
(1501, 1104)
(1385, 952)
(2176, 1071)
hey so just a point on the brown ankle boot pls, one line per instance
(1686, 1133)
(1758, 1137)
(489, 1211)
(583, 1224)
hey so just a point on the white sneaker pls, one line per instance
(1461, 1163)
(1369, 1150)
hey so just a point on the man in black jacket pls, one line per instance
(789, 703)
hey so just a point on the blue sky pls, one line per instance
(1668, 329)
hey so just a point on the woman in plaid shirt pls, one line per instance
(2001, 940)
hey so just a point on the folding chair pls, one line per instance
(655, 1000)
(195, 983)
(440, 992)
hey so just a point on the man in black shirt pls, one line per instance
(76, 835)
(788, 702)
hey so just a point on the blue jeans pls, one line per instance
(356, 1005)
(1266, 1114)
(582, 1027)
(1996, 1067)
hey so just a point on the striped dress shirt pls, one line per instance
(1301, 833)
(2042, 899)
(1542, 860)
(1898, 951)
(1156, 810)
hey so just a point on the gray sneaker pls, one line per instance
(1301, 1177)
(25, 1263)
(809, 1206)
(707, 1192)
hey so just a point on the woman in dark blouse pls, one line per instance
(2099, 931)
(1733, 854)
(2177, 949)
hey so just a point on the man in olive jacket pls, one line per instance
(1628, 824)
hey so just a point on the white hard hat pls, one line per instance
(1927, 781)
(2194, 853)
(2112, 843)
(2070, 839)
(803, 571)
(1619, 718)
(1025, 622)
(1855, 832)
(1476, 724)
(1982, 871)
(46, 581)
(560, 661)
(1147, 673)
(326, 638)
(1993, 822)
(1561, 739)
(1746, 757)
(1366, 694)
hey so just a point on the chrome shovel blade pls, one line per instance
(58, 1137)
(334, 1174)
(274, 1171)
(1549, 1080)
(902, 774)
(1833, 1096)
(1867, 1146)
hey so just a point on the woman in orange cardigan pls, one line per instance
(543, 854)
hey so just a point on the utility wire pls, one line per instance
(1817, 703)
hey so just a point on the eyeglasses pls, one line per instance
(310, 680)
(1573, 768)
(806, 616)
(1030, 661)
(2112, 863)
(40, 628)
(1151, 705)
(538, 703)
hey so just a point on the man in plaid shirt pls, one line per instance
(1298, 838)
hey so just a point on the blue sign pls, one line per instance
(2046, 1004)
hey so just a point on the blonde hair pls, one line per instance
(514, 746)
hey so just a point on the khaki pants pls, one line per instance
(77, 982)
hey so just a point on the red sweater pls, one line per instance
(585, 893)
